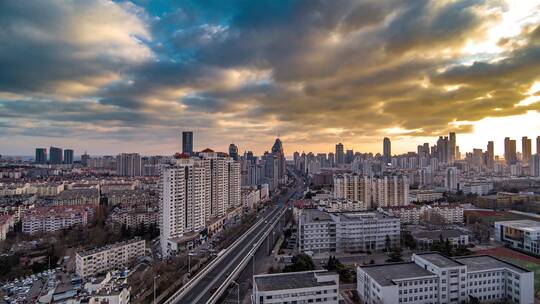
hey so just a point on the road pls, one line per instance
(202, 290)
(262, 255)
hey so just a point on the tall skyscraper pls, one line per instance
(442, 149)
(68, 156)
(490, 154)
(41, 155)
(387, 150)
(55, 156)
(452, 147)
(279, 155)
(340, 155)
(187, 142)
(526, 149)
(128, 164)
(538, 145)
(510, 155)
(233, 151)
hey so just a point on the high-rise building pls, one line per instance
(41, 155)
(194, 190)
(85, 158)
(452, 147)
(55, 156)
(490, 154)
(538, 145)
(510, 155)
(442, 149)
(331, 160)
(187, 142)
(535, 165)
(390, 191)
(349, 156)
(128, 164)
(340, 155)
(68, 156)
(279, 155)
(233, 151)
(387, 150)
(185, 194)
(526, 149)
(353, 187)
(450, 178)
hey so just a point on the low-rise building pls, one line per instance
(476, 187)
(250, 197)
(444, 213)
(296, 287)
(100, 260)
(320, 231)
(77, 197)
(52, 218)
(425, 195)
(134, 217)
(521, 234)
(435, 278)
(425, 238)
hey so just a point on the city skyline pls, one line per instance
(127, 75)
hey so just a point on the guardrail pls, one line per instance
(189, 285)
(219, 292)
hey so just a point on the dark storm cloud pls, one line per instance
(357, 66)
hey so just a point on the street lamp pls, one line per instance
(155, 277)
(190, 254)
(238, 288)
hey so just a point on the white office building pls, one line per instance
(521, 234)
(320, 231)
(296, 287)
(434, 278)
(100, 260)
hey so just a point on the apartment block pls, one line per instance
(53, 218)
(321, 231)
(296, 287)
(435, 278)
(100, 260)
(445, 213)
(522, 235)
(375, 192)
(195, 191)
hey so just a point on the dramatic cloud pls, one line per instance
(317, 72)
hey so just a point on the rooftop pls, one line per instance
(385, 274)
(436, 234)
(439, 260)
(107, 247)
(486, 262)
(528, 225)
(293, 280)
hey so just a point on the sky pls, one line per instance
(130, 76)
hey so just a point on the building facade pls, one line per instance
(100, 260)
(348, 232)
(296, 287)
(434, 278)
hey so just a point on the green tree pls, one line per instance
(395, 255)
(387, 243)
(300, 262)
